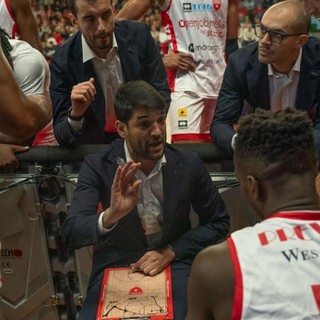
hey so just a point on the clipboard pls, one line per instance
(135, 296)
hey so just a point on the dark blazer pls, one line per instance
(140, 60)
(246, 80)
(186, 182)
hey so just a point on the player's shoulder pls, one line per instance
(215, 258)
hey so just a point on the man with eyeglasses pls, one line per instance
(281, 71)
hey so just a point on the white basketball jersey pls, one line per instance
(7, 21)
(200, 29)
(277, 268)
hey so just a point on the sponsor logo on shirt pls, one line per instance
(198, 7)
(187, 7)
(203, 47)
(216, 4)
(202, 23)
(182, 112)
(182, 124)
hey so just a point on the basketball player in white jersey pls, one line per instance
(270, 270)
(200, 33)
(17, 19)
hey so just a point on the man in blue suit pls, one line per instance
(144, 222)
(281, 71)
(87, 70)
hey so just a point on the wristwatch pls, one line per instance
(74, 118)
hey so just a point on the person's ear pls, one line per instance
(253, 187)
(303, 39)
(74, 21)
(121, 128)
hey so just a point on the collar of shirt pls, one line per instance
(88, 54)
(157, 168)
(296, 66)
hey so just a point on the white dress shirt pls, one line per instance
(150, 204)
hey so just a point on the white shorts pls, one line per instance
(190, 116)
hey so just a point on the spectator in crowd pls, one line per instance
(31, 72)
(200, 35)
(312, 7)
(155, 33)
(248, 35)
(280, 71)
(17, 19)
(87, 70)
(267, 270)
(164, 40)
(21, 116)
(144, 222)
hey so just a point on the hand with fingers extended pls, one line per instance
(82, 95)
(124, 193)
(179, 60)
(153, 262)
(8, 160)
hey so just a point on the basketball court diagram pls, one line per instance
(127, 295)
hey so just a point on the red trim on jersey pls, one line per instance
(167, 8)
(14, 30)
(238, 287)
(167, 24)
(298, 215)
(171, 77)
(316, 293)
(191, 136)
(9, 9)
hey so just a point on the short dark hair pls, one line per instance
(281, 142)
(137, 94)
(6, 46)
(73, 7)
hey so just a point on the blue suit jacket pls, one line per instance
(186, 182)
(140, 60)
(246, 79)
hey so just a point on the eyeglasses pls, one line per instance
(275, 36)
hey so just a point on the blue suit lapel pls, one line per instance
(308, 84)
(85, 72)
(128, 52)
(131, 223)
(172, 173)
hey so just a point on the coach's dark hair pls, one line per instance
(6, 46)
(73, 7)
(281, 142)
(137, 94)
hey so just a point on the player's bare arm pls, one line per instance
(210, 294)
(136, 9)
(233, 19)
(26, 22)
(21, 116)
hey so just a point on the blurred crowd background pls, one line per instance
(52, 17)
